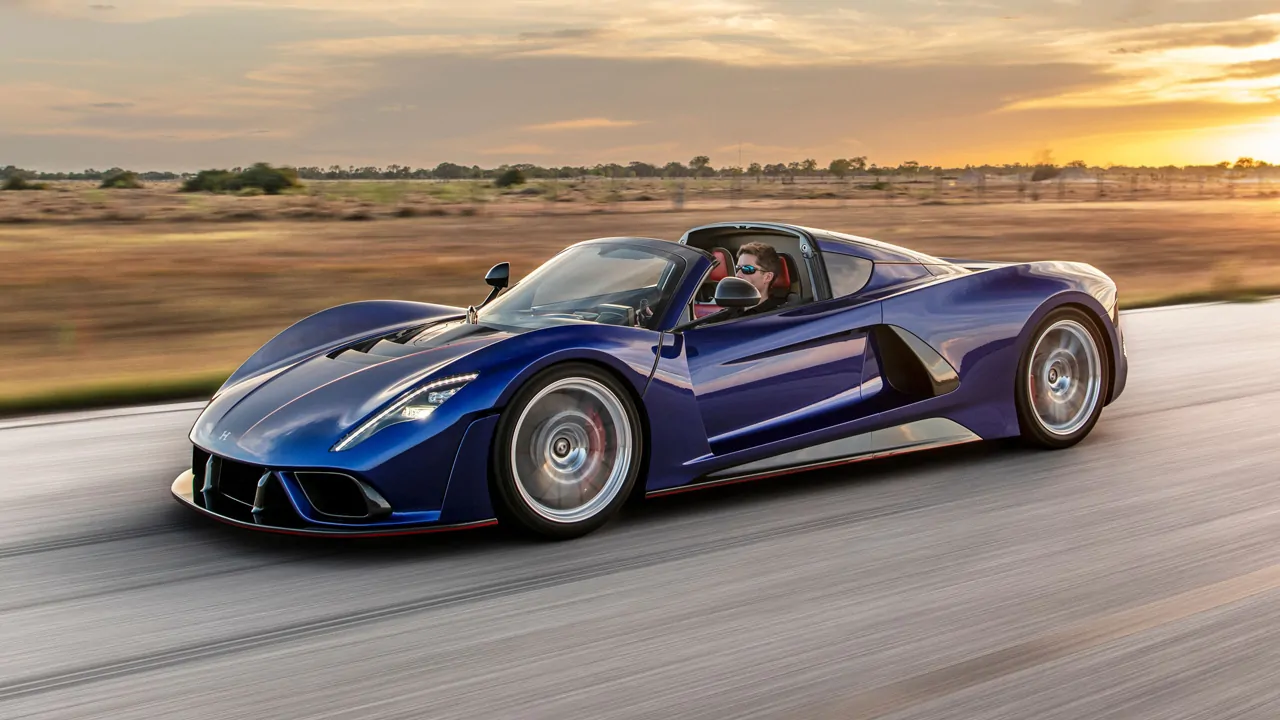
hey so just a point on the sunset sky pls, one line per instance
(188, 84)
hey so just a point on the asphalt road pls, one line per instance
(1134, 576)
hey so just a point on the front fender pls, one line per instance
(334, 327)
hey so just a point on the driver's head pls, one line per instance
(758, 264)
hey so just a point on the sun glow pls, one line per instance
(1260, 141)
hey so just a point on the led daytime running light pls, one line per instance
(375, 423)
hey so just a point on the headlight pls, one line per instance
(417, 404)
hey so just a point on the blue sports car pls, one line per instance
(626, 367)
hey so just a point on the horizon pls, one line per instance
(184, 85)
(712, 167)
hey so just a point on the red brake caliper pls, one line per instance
(596, 442)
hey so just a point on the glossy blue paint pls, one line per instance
(761, 379)
(891, 278)
(711, 397)
(467, 497)
(336, 326)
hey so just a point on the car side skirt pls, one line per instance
(927, 434)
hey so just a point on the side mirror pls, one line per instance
(498, 275)
(734, 295)
(497, 278)
(734, 292)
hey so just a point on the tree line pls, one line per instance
(697, 168)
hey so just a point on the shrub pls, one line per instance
(262, 176)
(214, 181)
(120, 180)
(17, 182)
(1045, 172)
(509, 178)
(271, 180)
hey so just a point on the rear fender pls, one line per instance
(981, 322)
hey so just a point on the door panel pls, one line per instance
(762, 379)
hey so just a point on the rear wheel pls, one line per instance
(1062, 380)
(567, 452)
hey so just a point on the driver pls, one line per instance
(759, 264)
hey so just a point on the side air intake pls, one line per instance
(910, 366)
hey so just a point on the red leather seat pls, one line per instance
(704, 309)
(781, 284)
(724, 269)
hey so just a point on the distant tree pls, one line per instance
(755, 171)
(1245, 163)
(511, 177)
(699, 164)
(449, 171)
(808, 166)
(270, 180)
(262, 176)
(642, 169)
(118, 179)
(840, 167)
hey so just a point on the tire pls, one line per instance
(573, 430)
(1062, 380)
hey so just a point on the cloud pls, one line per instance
(391, 81)
(517, 150)
(1174, 62)
(564, 34)
(1255, 69)
(590, 123)
(1237, 39)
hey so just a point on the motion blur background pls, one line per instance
(404, 147)
(181, 179)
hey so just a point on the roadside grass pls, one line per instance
(122, 393)
(118, 393)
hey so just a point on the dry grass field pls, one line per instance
(364, 200)
(166, 297)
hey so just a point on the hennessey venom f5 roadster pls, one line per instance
(626, 366)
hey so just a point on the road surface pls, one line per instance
(1134, 576)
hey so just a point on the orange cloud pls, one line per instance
(591, 123)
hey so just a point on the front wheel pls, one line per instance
(1062, 380)
(567, 452)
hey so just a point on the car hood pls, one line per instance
(306, 407)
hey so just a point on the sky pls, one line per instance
(189, 84)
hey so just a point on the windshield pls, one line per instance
(604, 283)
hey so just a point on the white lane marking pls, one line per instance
(104, 414)
(1192, 306)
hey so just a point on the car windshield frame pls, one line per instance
(514, 309)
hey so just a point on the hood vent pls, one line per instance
(407, 342)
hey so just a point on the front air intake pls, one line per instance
(338, 495)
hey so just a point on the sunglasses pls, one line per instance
(748, 269)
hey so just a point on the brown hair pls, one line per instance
(766, 256)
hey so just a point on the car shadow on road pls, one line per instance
(641, 515)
